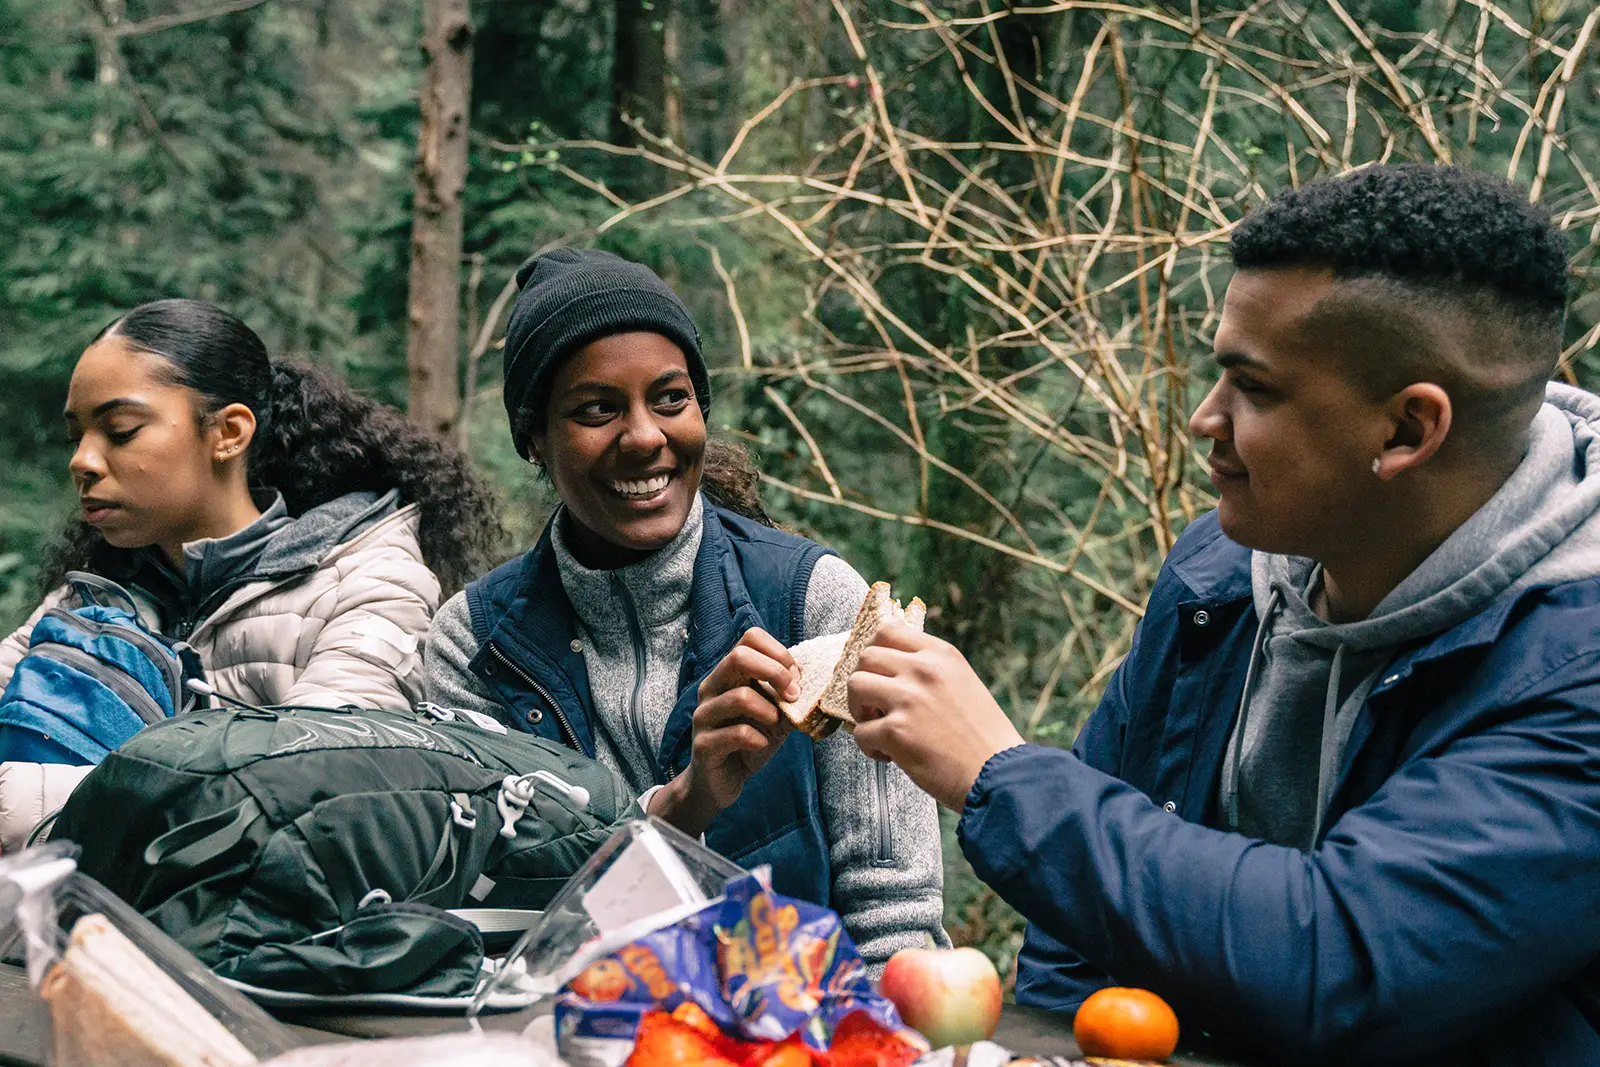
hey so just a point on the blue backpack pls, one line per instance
(93, 677)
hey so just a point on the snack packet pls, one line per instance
(755, 968)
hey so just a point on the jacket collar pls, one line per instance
(539, 629)
(1215, 570)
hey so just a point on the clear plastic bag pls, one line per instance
(648, 875)
(441, 1050)
(119, 989)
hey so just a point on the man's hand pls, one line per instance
(737, 728)
(917, 702)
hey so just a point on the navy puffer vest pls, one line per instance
(746, 575)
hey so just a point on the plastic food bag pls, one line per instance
(442, 1050)
(752, 978)
(647, 875)
(119, 990)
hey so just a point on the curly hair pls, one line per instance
(316, 440)
(730, 480)
(1437, 227)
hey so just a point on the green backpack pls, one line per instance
(314, 853)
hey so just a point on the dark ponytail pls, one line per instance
(730, 480)
(316, 440)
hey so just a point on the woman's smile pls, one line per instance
(643, 492)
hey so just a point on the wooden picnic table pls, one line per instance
(25, 1026)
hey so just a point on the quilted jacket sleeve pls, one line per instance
(28, 793)
(15, 646)
(369, 652)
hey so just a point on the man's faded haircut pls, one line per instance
(1428, 245)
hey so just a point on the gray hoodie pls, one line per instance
(1308, 678)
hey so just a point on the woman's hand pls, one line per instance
(737, 728)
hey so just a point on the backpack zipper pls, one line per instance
(640, 661)
(158, 654)
(130, 693)
(567, 732)
(885, 855)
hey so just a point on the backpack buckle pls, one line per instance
(461, 812)
(435, 712)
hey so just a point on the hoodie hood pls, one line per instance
(1308, 678)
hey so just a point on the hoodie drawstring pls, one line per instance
(1230, 791)
(1325, 768)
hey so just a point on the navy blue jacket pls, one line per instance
(746, 575)
(1444, 914)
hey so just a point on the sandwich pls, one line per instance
(826, 663)
(110, 1003)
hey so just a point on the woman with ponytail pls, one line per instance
(295, 533)
(649, 625)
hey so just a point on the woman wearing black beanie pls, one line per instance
(659, 594)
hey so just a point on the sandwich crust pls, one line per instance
(826, 663)
(110, 1003)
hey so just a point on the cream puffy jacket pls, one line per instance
(348, 632)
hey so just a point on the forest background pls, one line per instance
(957, 262)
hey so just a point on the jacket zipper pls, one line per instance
(159, 655)
(567, 733)
(134, 696)
(885, 857)
(640, 660)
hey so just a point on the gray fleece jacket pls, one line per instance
(1308, 678)
(887, 904)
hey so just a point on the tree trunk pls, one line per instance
(433, 302)
(713, 42)
(639, 68)
(107, 71)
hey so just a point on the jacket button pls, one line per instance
(1202, 618)
(576, 646)
(1169, 807)
(491, 668)
(536, 716)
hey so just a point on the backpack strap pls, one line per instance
(102, 592)
(195, 844)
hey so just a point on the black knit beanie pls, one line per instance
(570, 297)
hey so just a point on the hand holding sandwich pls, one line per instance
(737, 728)
(917, 702)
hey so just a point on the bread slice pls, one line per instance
(826, 663)
(110, 1003)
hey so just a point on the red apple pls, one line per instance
(950, 996)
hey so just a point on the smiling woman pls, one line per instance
(650, 624)
(632, 391)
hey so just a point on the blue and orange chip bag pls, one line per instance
(758, 969)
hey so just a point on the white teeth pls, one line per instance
(647, 488)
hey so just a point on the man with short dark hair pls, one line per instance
(1341, 802)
